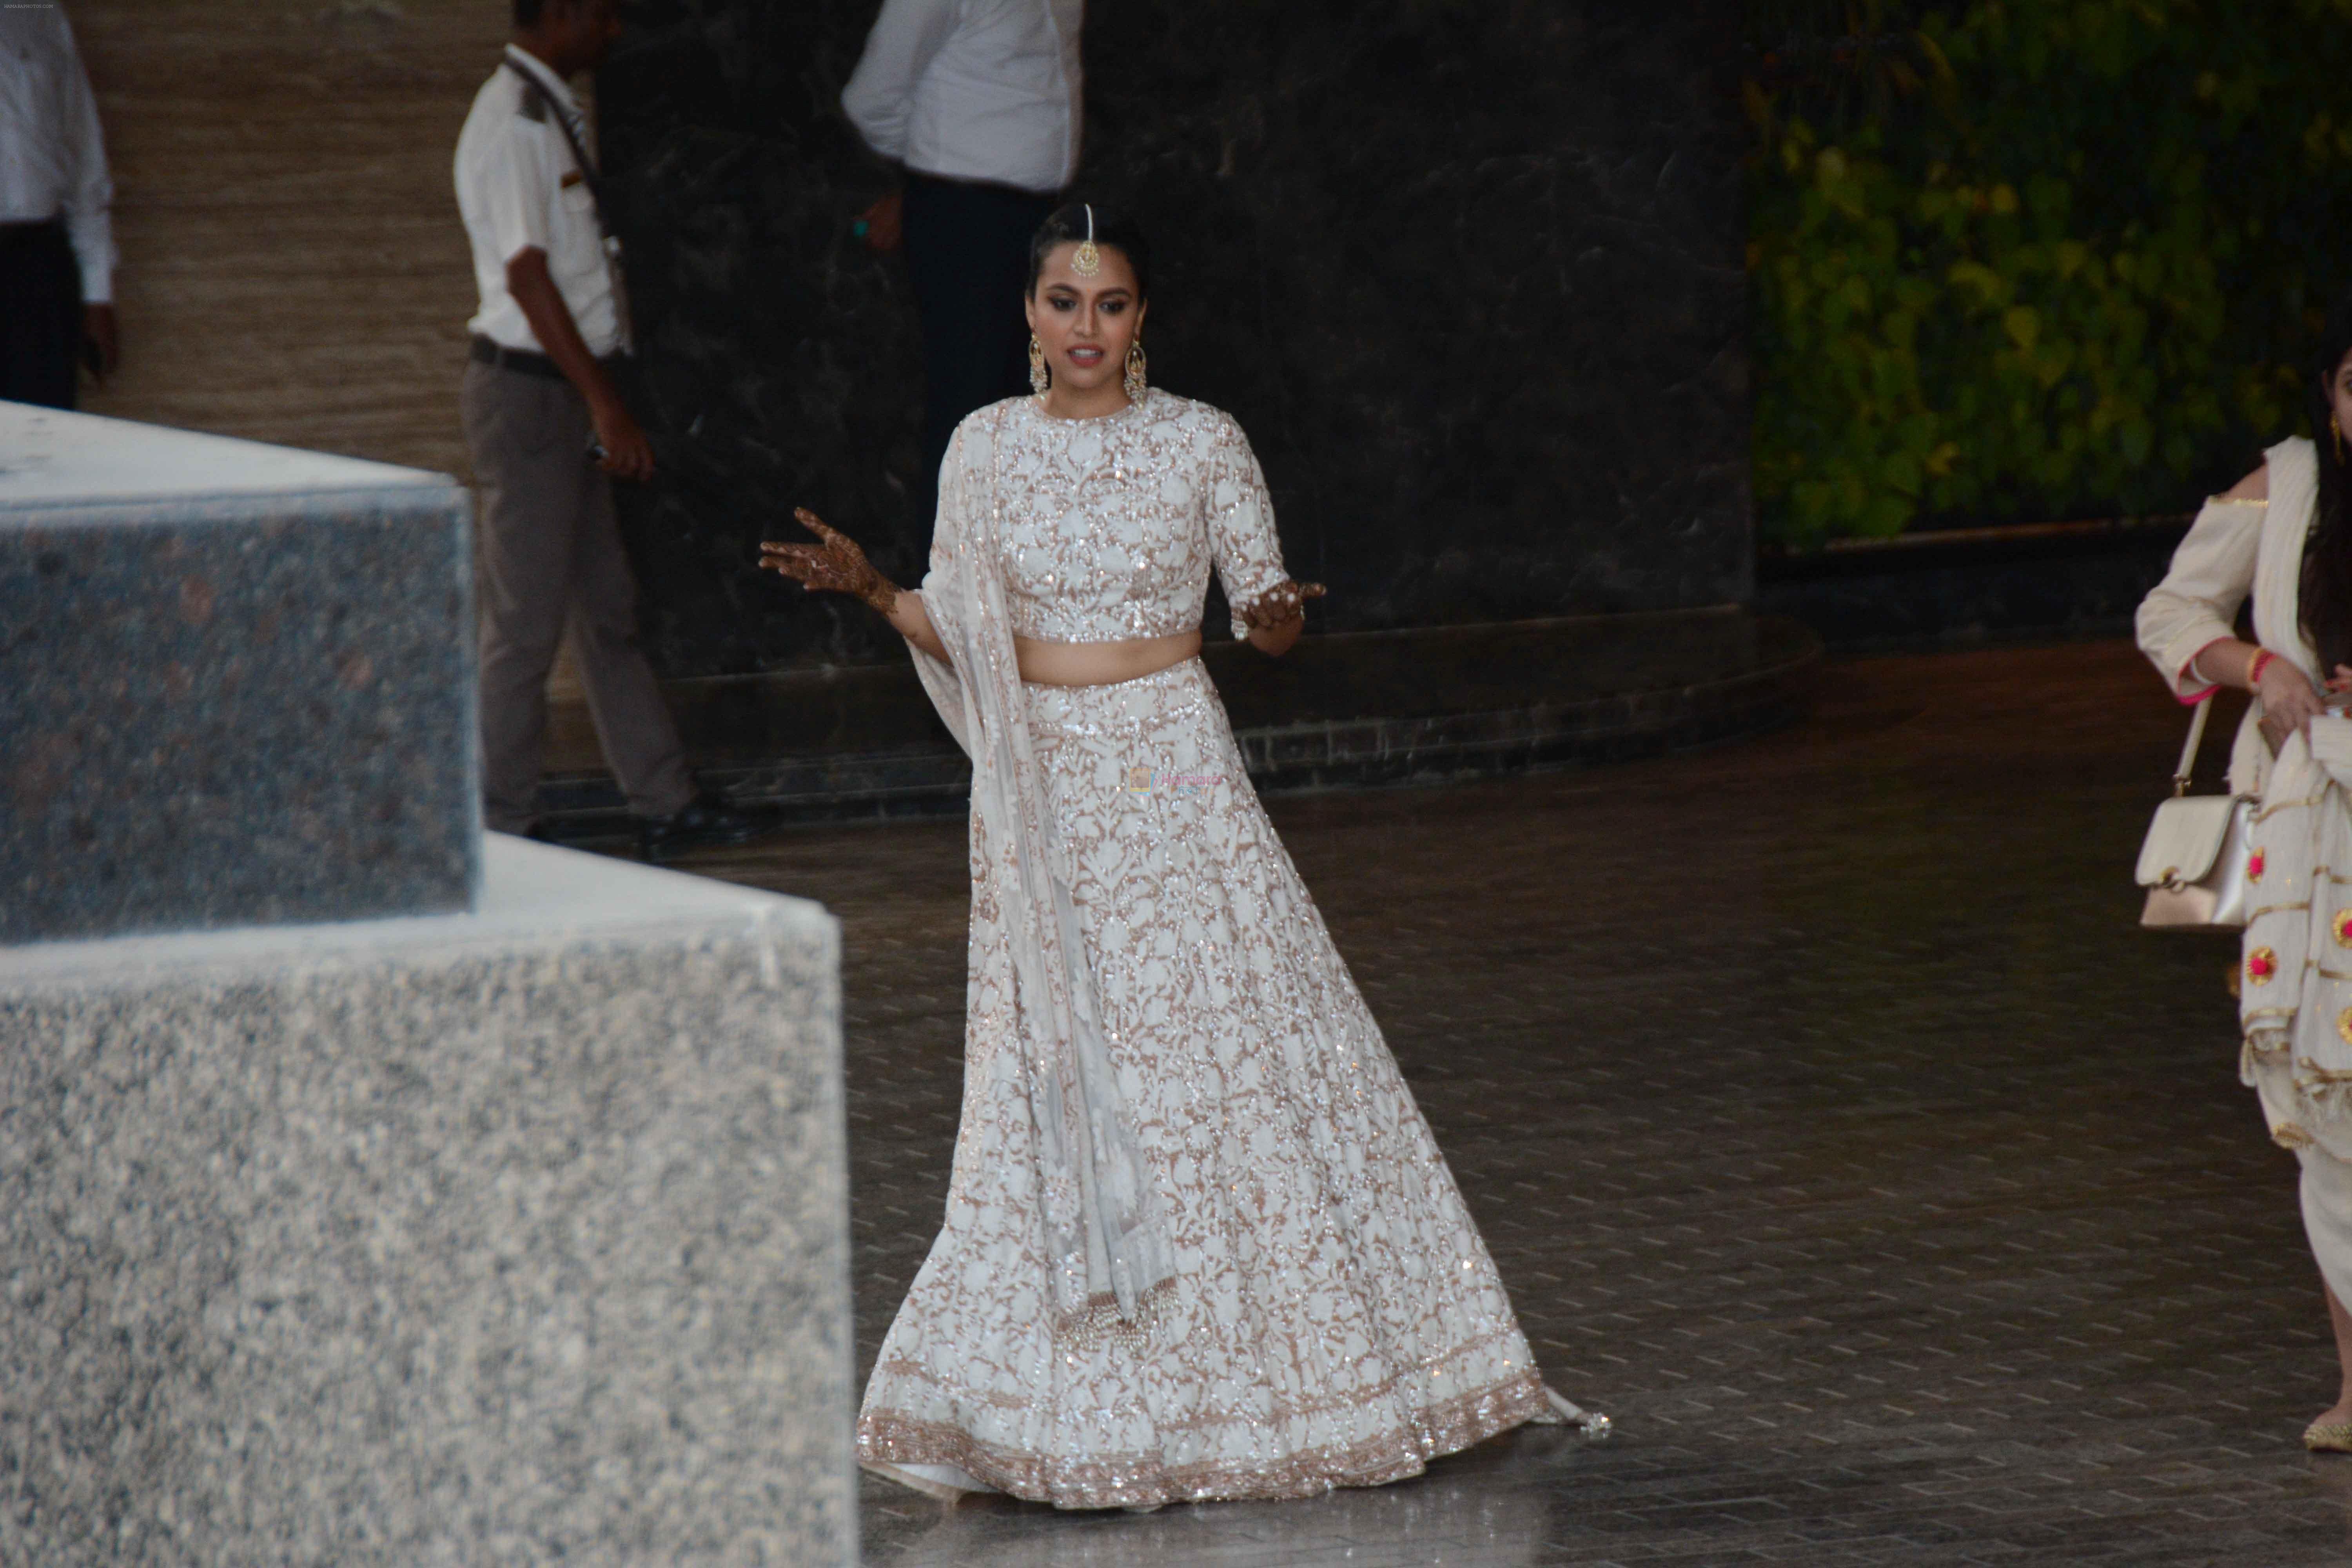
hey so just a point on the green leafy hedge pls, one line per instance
(2036, 259)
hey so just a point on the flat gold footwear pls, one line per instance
(2328, 1436)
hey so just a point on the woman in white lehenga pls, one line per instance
(1199, 1242)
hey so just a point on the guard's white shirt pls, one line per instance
(52, 157)
(519, 187)
(974, 90)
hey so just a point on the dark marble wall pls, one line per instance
(1468, 271)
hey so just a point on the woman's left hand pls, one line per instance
(2289, 700)
(1280, 604)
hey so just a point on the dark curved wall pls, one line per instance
(1468, 271)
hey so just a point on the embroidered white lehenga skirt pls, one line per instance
(1334, 1318)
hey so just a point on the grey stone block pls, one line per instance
(514, 1238)
(237, 683)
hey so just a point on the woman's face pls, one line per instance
(2339, 397)
(1086, 324)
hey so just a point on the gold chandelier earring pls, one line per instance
(1040, 378)
(1133, 380)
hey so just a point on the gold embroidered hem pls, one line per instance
(1133, 1481)
(1207, 1413)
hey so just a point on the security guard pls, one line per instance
(538, 391)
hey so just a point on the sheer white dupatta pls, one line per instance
(1103, 1229)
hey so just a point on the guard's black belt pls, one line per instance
(487, 352)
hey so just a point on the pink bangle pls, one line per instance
(2254, 670)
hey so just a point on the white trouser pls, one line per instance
(2328, 1217)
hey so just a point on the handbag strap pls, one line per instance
(2188, 750)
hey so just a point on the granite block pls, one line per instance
(237, 683)
(505, 1238)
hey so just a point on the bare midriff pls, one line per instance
(1101, 663)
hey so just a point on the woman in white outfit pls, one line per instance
(1199, 1242)
(2284, 535)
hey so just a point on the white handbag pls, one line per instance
(2194, 861)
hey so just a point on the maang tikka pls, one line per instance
(1088, 261)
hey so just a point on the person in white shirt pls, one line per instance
(979, 101)
(57, 233)
(548, 431)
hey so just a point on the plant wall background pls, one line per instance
(2028, 260)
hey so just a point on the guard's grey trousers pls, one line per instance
(549, 549)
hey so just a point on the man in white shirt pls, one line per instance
(548, 431)
(56, 235)
(980, 100)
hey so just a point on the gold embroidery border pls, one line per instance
(1135, 1480)
(1427, 1370)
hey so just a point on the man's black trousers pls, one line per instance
(40, 314)
(967, 253)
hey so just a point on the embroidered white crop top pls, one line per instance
(1110, 525)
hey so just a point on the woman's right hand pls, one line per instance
(834, 565)
(2289, 700)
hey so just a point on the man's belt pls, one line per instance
(530, 364)
(26, 229)
(485, 352)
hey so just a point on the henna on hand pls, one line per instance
(1279, 605)
(834, 565)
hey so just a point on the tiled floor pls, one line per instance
(1833, 1125)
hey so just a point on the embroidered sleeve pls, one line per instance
(1242, 540)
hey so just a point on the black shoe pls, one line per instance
(706, 820)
